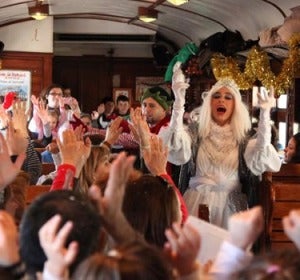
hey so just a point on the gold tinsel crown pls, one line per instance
(258, 67)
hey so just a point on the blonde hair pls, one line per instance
(87, 174)
(240, 120)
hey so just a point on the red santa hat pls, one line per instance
(9, 99)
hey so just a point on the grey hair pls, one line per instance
(240, 120)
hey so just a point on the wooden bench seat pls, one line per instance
(34, 191)
(285, 196)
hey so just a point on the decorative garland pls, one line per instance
(258, 67)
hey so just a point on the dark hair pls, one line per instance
(130, 261)
(123, 98)
(107, 99)
(45, 92)
(283, 265)
(86, 115)
(296, 156)
(151, 206)
(72, 207)
(161, 91)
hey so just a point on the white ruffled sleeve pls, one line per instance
(178, 142)
(260, 155)
(176, 136)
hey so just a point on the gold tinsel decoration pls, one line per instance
(258, 67)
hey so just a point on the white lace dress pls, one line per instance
(216, 175)
(217, 168)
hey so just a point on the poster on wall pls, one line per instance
(122, 91)
(16, 83)
(142, 83)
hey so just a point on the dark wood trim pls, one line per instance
(40, 65)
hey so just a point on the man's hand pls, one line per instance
(139, 127)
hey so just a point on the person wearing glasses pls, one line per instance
(50, 98)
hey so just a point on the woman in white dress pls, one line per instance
(223, 156)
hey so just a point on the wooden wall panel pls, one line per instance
(40, 65)
(65, 72)
(90, 77)
(95, 83)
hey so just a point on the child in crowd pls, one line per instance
(292, 150)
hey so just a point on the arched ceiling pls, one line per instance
(193, 21)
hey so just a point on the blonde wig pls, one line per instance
(240, 120)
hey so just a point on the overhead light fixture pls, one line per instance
(147, 14)
(177, 2)
(40, 11)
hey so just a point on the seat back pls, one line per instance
(47, 168)
(34, 191)
(285, 196)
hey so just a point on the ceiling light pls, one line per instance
(147, 14)
(39, 11)
(178, 2)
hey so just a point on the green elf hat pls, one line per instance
(182, 56)
(159, 95)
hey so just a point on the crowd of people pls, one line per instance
(107, 217)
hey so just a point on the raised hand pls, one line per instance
(139, 127)
(179, 85)
(19, 117)
(182, 247)
(155, 156)
(16, 141)
(9, 248)
(42, 111)
(291, 226)
(73, 151)
(79, 132)
(53, 241)
(8, 169)
(113, 131)
(4, 118)
(110, 204)
(245, 227)
(34, 100)
(95, 115)
(266, 99)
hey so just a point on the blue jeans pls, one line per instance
(47, 157)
